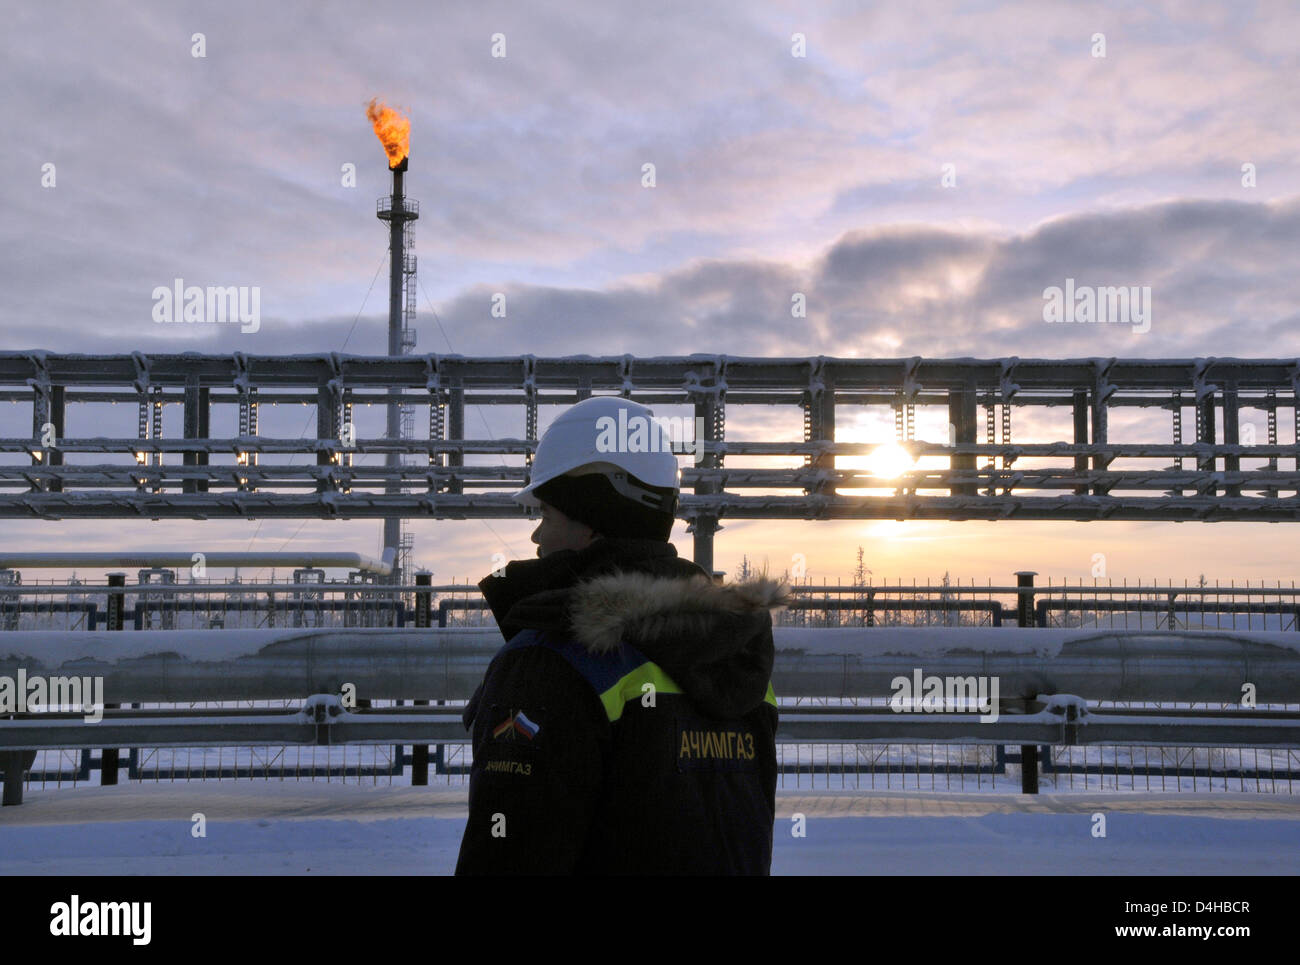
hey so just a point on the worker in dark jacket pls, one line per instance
(628, 724)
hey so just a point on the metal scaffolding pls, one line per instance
(195, 475)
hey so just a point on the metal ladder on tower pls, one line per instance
(406, 539)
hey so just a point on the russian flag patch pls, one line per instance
(516, 723)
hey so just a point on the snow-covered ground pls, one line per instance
(330, 828)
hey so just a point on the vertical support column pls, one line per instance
(56, 417)
(423, 601)
(1025, 619)
(1081, 435)
(142, 458)
(819, 421)
(530, 406)
(704, 526)
(530, 425)
(156, 405)
(1205, 433)
(205, 430)
(903, 426)
(116, 620)
(1025, 597)
(1177, 431)
(1272, 491)
(456, 433)
(1100, 421)
(991, 439)
(241, 458)
(826, 422)
(1295, 428)
(327, 407)
(15, 764)
(342, 426)
(962, 418)
(423, 619)
(252, 426)
(196, 427)
(393, 524)
(40, 415)
(818, 404)
(1231, 433)
(1028, 768)
(437, 434)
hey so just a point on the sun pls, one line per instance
(889, 461)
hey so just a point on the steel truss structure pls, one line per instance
(196, 476)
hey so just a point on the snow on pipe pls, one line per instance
(171, 558)
(448, 664)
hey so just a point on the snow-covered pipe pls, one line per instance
(1100, 664)
(447, 664)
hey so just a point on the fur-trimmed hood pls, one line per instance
(713, 640)
(608, 610)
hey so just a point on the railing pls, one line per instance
(384, 206)
(218, 604)
(1033, 679)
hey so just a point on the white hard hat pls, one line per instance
(610, 435)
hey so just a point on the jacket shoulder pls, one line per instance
(616, 675)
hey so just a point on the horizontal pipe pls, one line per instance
(185, 560)
(1053, 592)
(428, 725)
(230, 445)
(336, 505)
(448, 664)
(373, 478)
(234, 589)
(1044, 398)
(23, 368)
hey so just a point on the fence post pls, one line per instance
(1025, 597)
(16, 763)
(423, 617)
(1025, 619)
(108, 758)
(423, 600)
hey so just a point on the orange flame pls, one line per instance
(393, 130)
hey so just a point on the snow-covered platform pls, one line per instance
(331, 828)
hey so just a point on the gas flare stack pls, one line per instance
(393, 131)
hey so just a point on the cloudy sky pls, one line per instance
(920, 171)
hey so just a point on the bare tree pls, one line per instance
(860, 573)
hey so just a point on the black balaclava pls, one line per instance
(592, 499)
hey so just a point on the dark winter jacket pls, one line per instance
(628, 724)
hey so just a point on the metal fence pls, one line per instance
(160, 604)
(1140, 606)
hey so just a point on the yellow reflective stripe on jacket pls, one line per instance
(630, 687)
